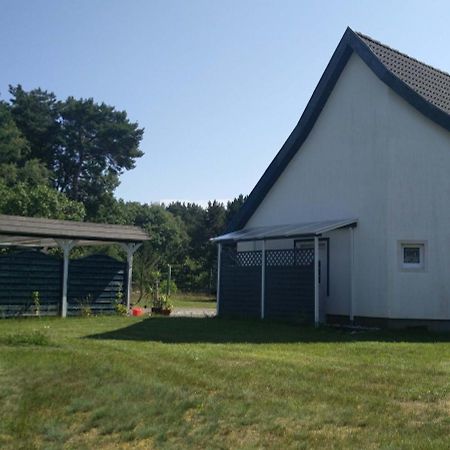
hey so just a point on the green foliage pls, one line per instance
(121, 309)
(167, 243)
(85, 305)
(36, 114)
(36, 299)
(62, 159)
(39, 201)
(162, 302)
(85, 145)
(172, 285)
(13, 145)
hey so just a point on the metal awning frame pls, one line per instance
(289, 231)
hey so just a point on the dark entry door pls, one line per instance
(323, 272)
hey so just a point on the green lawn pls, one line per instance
(193, 301)
(184, 383)
(182, 300)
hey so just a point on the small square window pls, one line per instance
(412, 256)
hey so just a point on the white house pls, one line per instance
(362, 183)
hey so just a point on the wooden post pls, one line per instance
(219, 257)
(316, 282)
(66, 245)
(263, 278)
(130, 249)
(169, 279)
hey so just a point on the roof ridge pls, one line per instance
(365, 36)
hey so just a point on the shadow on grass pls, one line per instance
(217, 330)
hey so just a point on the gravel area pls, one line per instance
(193, 312)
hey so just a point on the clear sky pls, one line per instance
(217, 84)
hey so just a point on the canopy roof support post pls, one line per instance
(66, 245)
(219, 263)
(263, 278)
(130, 249)
(316, 281)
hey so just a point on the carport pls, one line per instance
(280, 281)
(42, 234)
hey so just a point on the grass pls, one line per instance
(186, 300)
(177, 383)
(194, 301)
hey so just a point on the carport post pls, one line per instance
(316, 281)
(130, 249)
(66, 245)
(219, 262)
(263, 278)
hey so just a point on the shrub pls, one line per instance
(161, 302)
(172, 285)
(85, 306)
(121, 309)
(36, 297)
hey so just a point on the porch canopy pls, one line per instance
(306, 229)
(311, 230)
(17, 231)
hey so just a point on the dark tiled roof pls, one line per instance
(432, 84)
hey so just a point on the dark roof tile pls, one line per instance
(430, 83)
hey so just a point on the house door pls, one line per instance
(323, 272)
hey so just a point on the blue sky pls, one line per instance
(218, 85)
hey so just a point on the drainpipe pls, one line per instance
(263, 278)
(316, 282)
(219, 263)
(352, 274)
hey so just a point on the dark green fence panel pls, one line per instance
(290, 284)
(96, 282)
(25, 272)
(240, 287)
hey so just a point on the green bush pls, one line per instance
(121, 309)
(172, 285)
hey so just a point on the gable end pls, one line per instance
(350, 42)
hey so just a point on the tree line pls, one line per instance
(62, 159)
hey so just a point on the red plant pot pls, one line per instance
(137, 312)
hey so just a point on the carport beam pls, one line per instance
(316, 281)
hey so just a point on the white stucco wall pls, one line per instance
(371, 155)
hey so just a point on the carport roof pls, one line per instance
(307, 229)
(37, 232)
